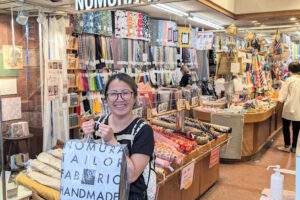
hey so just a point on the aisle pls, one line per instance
(245, 181)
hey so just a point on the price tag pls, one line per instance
(187, 105)
(235, 68)
(145, 57)
(181, 104)
(163, 107)
(194, 101)
(187, 175)
(138, 112)
(214, 157)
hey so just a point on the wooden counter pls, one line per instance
(258, 129)
(204, 177)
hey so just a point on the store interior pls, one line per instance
(215, 136)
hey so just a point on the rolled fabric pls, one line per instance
(50, 160)
(41, 190)
(45, 169)
(56, 153)
(44, 179)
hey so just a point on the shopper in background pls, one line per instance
(121, 94)
(186, 77)
(289, 103)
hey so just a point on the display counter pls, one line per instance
(204, 175)
(258, 128)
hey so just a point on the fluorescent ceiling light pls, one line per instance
(254, 22)
(205, 22)
(293, 19)
(170, 9)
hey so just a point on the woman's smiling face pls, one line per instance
(120, 98)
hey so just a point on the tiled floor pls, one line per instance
(246, 180)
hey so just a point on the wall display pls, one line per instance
(11, 108)
(8, 86)
(7, 72)
(132, 25)
(163, 33)
(8, 61)
(204, 40)
(54, 71)
(184, 39)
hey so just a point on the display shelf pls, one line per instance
(72, 69)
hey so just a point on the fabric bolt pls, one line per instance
(81, 51)
(116, 52)
(106, 23)
(92, 53)
(140, 26)
(96, 107)
(78, 83)
(97, 23)
(72, 22)
(92, 82)
(78, 26)
(99, 58)
(160, 32)
(121, 28)
(203, 69)
(145, 27)
(88, 22)
(135, 24)
(129, 24)
(154, 32)
(164, 32)
(193, 38)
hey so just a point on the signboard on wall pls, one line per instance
(94, 4)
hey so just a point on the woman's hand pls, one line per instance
(88, 127)
(107, 134)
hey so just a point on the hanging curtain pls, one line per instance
(56, 114)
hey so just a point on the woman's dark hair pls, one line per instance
(294, 67)
(122, 77)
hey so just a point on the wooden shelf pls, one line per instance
(72, 69)
(164, 113)
(74, 127)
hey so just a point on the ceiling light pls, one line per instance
(257, 23)
(254, 22)
(297, 23)
(22, 17)
(170, 9)
(205, 22)
(293, 19)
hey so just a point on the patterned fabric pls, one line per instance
(88, 22)
(99, 58)
(81, 51)
(78, 26)
(106, 23)
(72, 22)
(129, 24)
(135, 23)
(121, 29)
(97, 23)
(145, 26)
(154, 32)
(140, 25)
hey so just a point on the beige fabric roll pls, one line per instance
(56, 153)
(44, 179)
(45, 169)
(50, 160)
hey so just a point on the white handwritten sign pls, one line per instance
(92, 171)
(214, 157)
(187, 175)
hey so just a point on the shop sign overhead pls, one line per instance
(94, 4)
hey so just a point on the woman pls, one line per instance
(289, 99)
(185, 80)
(121, 93)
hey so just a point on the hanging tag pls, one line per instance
(187, 174)
(194, 101)
(181, 104)
(163, 107)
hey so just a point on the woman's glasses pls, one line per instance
(114, 96)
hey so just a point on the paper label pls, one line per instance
(194, 101)
(187, 175)
(181, 104)
(214, 157)
(145, 57)
(138, 112)
(235, 68)
(163, 107)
